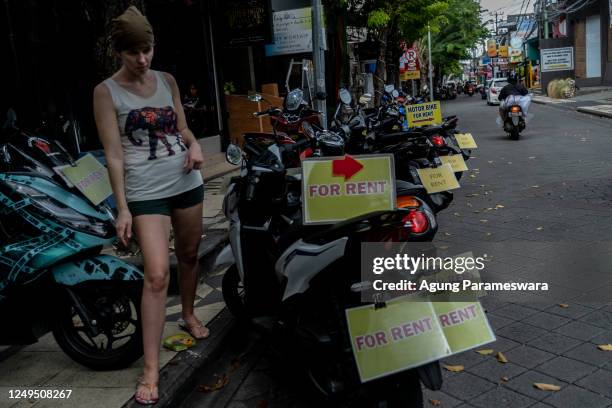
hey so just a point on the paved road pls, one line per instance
(549, 191)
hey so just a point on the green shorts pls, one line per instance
(164, 206)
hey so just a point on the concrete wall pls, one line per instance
(556, 43)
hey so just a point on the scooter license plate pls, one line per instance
(514, 114)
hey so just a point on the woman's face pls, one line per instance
(137, 60)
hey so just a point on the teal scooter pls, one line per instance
(54, 276)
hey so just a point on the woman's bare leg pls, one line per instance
(187, 223)
(153, 233)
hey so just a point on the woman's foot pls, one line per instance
(194, 327)
(146, 390)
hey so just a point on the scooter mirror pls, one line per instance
(345, 96)
(255, 97)
(395, 93)
(233, 154)
(389, 88)
(11, 119)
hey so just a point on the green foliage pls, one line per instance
(460, 31)
(378, 19)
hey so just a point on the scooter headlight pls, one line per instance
(62, 213)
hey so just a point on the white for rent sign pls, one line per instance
(557, 59)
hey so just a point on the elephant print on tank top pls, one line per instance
(159, 124)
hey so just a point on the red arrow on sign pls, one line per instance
(346, 167)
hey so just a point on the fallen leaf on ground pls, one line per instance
(532, 157)
(501, 358)
(490, 161)
(469, 204)
(454, 368)
(457, 214)
(448, 234)
(605, 347)
(540, 228)
(483, 221)
(499, 206)
(472, 176)
(535, 186)
(546, 387)
(485, 352)
(476, 212)
(505, 379)
(563, 305)
(221, 382)
(434, 402)
(488, 234)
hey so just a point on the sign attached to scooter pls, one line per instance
(422, 114)
(91, 178)
(466, 141)
(438, 179)
(402, 335)
(456, 162)
(338, 188)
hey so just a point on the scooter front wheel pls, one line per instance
(114, 310)
(233, 293)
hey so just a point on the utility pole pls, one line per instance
(318, 57)
(544, 6)
(431, 94)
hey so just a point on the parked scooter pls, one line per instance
(295, 282)
(52, 275)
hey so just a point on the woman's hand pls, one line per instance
(194, 158)
(123, 226)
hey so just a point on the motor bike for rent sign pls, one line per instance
(338, 188)
(410, 331)
(422, 114)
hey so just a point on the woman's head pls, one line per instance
(132, 38)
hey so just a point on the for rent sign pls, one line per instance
(422, 114)
(557, 59)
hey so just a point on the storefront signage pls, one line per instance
(246, 22)
(491, 48)
(292, 32)
(338, 188)
(503, 51)
(557, 59)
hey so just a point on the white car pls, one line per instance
(495, 86)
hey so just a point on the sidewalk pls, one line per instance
(44, 366)
(591, 100)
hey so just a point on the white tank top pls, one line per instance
(153, 149)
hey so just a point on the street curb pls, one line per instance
(589, 111)
(177, 378)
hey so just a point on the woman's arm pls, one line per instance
(194, 157)
(108, 130)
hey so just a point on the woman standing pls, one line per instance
(153, 162)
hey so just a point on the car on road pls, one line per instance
(493, 90)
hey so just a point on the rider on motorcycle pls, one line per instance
(513, 88)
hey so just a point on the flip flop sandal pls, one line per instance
(189, 328)
(150, 387)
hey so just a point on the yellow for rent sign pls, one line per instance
(428, 113)
(338, 188)
(411, 331)
(90, 177)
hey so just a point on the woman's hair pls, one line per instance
(131, 30)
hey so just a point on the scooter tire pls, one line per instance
(514, 135)
(403, 392)
(234, 300)
(73, 344)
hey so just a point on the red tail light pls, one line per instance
(438, 140)
(417, 221)
(516, 109)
